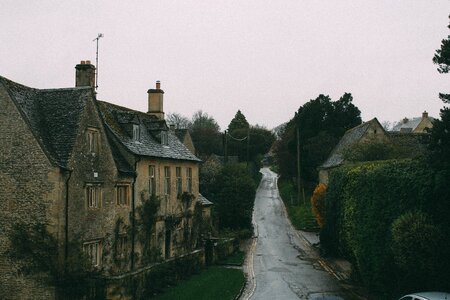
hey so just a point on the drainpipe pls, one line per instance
(66, 229)
(133, 213)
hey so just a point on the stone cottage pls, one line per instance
(84, 168)
(365, 132)
(408, 139)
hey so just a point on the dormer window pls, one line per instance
(164, 138)
(93, 140)
(136, 132)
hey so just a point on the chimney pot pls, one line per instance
(425, 115)
(85, 74)
(158, 84)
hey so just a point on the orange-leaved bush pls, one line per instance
(318, 203)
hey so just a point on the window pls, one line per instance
(167, 180)
(152, 180)
(189, 180)
(164, 138)
(179, 181)
(136, 132)
(93, 252)
(93, 140)
(93, 195)
(123, 195)
(122, 246)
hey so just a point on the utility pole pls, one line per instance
(248, 146)
(100, 35)
(225, 147)
(300, 187)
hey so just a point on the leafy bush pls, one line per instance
(35, 250)
(318, 203)
(415, 241)
(233, 194)
(363, 201)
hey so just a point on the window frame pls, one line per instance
(152, 180)
(164, 138)
(93, 190)
(119, 195)
(179, 181)
(93, 140)
(136, 132)
(93, 247)
(189, 180)
(167, 179)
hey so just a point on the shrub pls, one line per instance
(362, 202)
(415, 241)
(318, 203)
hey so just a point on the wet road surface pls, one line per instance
(284, 265)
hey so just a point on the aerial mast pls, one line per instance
(100, 35)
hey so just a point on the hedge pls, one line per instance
(362, 203)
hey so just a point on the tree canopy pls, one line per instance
(205, 134)
(440, 133)
(321, 123)
(178, 120)
(238, 122)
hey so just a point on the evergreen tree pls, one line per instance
(238, 122)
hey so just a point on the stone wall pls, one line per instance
(30, 190)
(102, 223)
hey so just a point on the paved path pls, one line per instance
(282, 264)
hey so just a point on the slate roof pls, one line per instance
(350, 137)
(53, 116)
(118, 120)
(408, 125)
(203, 201)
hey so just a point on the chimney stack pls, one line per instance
(156, 101)
(85, 74)
(425, 115)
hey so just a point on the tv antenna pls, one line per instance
(100, 35)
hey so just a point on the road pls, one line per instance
(284, 265)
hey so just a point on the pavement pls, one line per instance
(338, 267)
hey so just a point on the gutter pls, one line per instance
(66, 219)
(133, 213)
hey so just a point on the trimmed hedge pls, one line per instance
(362, 203)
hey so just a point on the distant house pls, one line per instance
(365, 132)
(408, 139)
(83, 168)
(414, 125)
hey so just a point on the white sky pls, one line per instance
(265, 58)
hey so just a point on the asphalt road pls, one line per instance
(284, 265)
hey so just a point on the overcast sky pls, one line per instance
(265, 58)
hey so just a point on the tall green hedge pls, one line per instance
(362, 203)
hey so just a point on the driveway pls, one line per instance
(281, 264)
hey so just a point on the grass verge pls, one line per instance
(237, 259)
(213, 283)
(300, 214)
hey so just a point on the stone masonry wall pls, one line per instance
(87, 224)
(29, 189)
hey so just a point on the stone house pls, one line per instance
(83, 168)
(414, 125)
(365, 132)
(410, 142)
